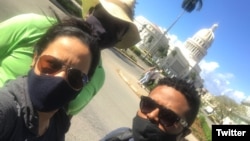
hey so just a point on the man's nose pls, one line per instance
(154, 115)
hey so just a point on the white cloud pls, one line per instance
(239, 95)
(219, 83)
(174, 40)
(208, 67)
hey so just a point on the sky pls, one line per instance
(226, 67)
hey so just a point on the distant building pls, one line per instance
(153, 37)
(180, 60)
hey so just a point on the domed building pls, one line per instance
(182, 60)
(152, 36)
(200, 42)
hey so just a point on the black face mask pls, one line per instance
(48, 93)
(105, 39)
(96, 25)
(144, 130)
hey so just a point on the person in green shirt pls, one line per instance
(20, 33)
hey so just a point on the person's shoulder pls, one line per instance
(26, 17)
(119, 134)
(28, 21)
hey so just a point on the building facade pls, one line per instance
(180, 60)
(153, 37)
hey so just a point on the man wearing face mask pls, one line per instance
(165, 115)
(110, 20)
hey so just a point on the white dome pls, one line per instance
(207, 34)
(200, 42)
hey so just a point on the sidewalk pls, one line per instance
(132, 83)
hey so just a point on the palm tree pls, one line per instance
(187, 6)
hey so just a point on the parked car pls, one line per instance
(208, 109)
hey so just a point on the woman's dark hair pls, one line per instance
(190, 93)
(71, 26)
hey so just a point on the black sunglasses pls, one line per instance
(50, 65)
(166, 116)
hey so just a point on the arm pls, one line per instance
(18, 36)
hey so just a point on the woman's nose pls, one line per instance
(61, 73)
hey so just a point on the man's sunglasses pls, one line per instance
(50, 65)
(166, 116)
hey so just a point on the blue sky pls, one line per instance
(226, 67)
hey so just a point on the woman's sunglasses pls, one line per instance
(166, 116)
(50, 65)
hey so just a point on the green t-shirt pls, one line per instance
(17, 38)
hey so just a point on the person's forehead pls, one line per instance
(170, 98)
(71, 51)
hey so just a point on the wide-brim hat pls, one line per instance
(121, 9)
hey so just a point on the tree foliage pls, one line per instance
(162, 51)
(227, 107)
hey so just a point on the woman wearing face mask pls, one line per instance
(165, 115)
(32, 106)
(113, 29)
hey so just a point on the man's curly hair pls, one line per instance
(190, 93)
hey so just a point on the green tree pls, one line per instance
(150, 39)
(192, 76)
(174, 52)
(227, 107)
(162, 51)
